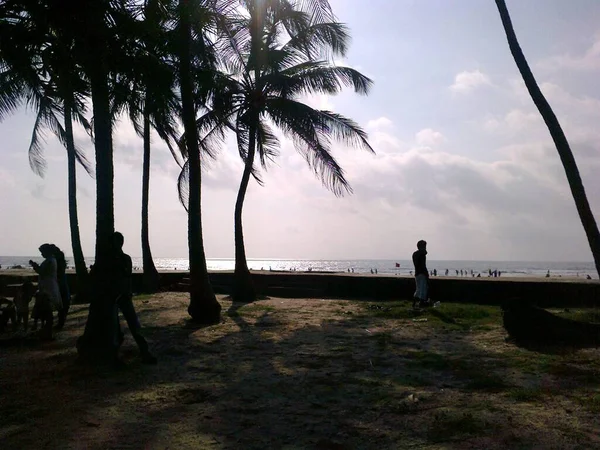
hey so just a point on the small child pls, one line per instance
(22, 299)
(7, 312)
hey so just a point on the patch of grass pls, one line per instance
(487, 382)
(465, 317)
(527, 394)
(427, 360)
(582, 315)
(382, 340)
(143, 296)
(591, 403)
(448, 424)
(448, 315)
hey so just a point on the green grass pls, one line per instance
(450, 423)
(452, 316)
(582, 315)
(527, 394)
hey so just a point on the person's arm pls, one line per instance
(35, 266)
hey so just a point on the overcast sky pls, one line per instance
(463, 159)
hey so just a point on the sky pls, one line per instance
(463, 159)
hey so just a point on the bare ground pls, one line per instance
(294, 374)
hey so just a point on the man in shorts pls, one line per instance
(421, 274)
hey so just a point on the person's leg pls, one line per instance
(66, 304)
(26, 319)
(128, 310)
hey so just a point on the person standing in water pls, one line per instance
(421, 274)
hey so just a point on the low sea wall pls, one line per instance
(488, 291)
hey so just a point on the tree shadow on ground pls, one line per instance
(291, 374)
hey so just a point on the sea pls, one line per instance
(362, 266)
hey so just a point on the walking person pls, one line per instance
(421, 274)
(48, 295)
(123, 267)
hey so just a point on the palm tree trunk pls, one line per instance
(80, 266)
(100, 340)
(203, 307)
(150, 276)
(243, 290)
(558, 136)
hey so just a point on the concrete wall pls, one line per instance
(314, 285)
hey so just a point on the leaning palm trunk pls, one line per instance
(560, 141)
(150, 276)
(80, 266)
(203, 307)
(243, 290)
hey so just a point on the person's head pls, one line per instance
(28, 288)
(118, 240)
(422, 245)
(46, 250)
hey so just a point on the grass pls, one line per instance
(527, 394)
(450, 316)
(285, 373)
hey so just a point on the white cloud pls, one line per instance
(379, 123)
(587, 61)
(467, 81)
(514, 121)
(429, 137)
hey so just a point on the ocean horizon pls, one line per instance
(382, 266)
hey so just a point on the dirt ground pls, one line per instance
(299, 373)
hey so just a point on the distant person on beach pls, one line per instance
(421, 274)
(446, 272)
(456, 272)
(588, 277)
(435, 272)
(548, 274)
(63, 286)
(122, 267)
(48, 296)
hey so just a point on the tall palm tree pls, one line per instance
(105, 35)
(262, 84)
(50, 83)
(558, 136)
(147, 91)
(195, 18)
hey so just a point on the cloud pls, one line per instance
(429, 137)
(379, 123)
(587, 61)
(468, 81)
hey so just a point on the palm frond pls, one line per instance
(320, 40)
(37, 162)
(316, 77)
(301, 123)
(11, 94)
(267, 144)
(183, 184)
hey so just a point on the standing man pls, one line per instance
(421, 274)
(123, 267)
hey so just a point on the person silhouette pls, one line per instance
(123, 268)
(419, 258)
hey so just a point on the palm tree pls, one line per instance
(262, 84)
(49, 82)
(105, 38)
(147, 91)
(203, 307)
(558, 136)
